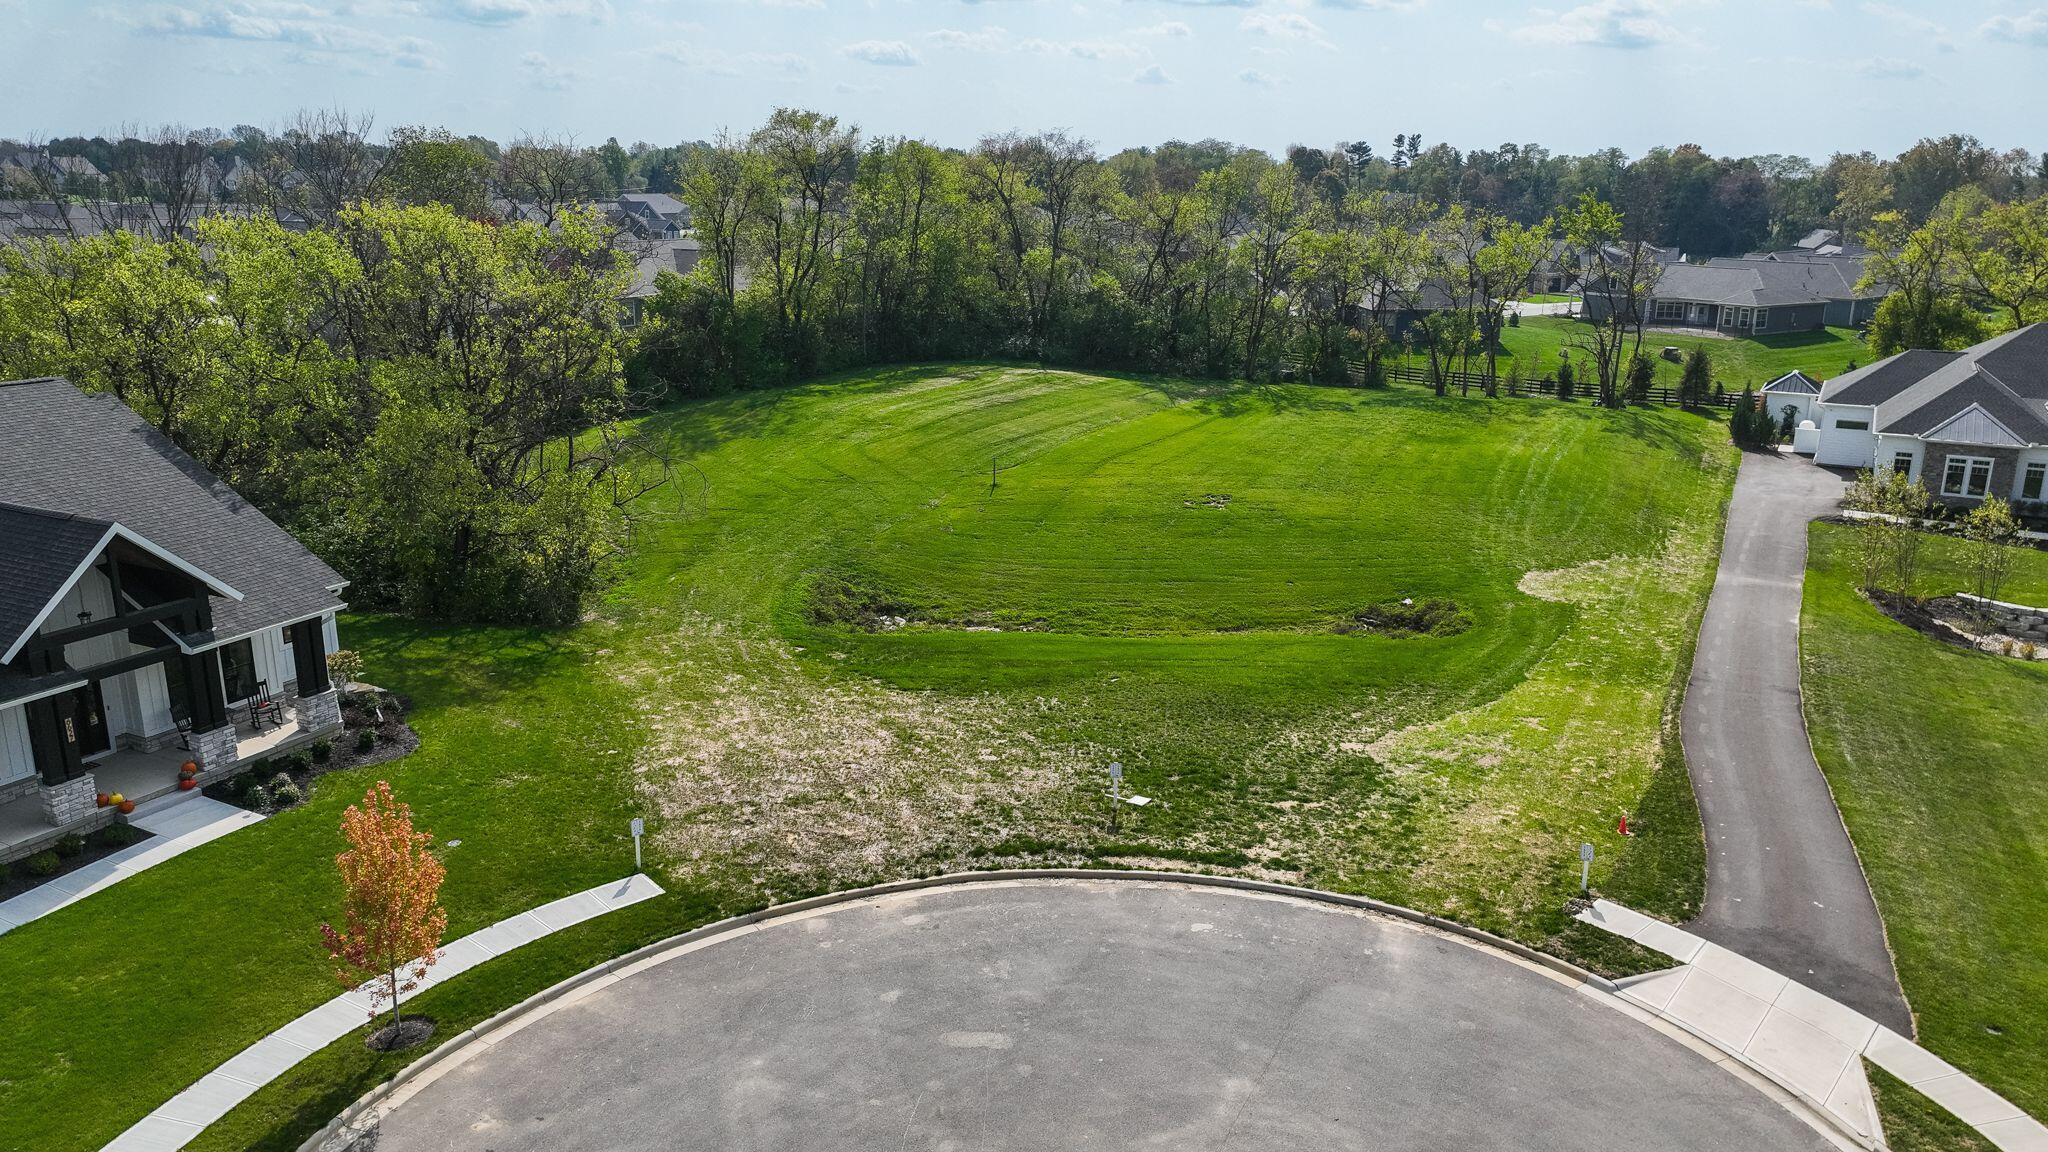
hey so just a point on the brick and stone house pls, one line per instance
(1968, 424)
(148, 616)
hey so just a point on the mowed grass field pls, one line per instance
(1738, 363)
(1935, 756)
(838, 654)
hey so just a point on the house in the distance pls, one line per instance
(1757, 295)
(1968, 424)
(148, 616)
(654, 215)
(650, 259)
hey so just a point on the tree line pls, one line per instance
(430, 402)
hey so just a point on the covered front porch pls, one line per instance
(150, 777)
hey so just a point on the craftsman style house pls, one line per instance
(149, 616)
(1968, 424)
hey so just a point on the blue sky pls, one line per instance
(1736, 76)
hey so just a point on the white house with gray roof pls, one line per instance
(1968, 424)
(149, 616)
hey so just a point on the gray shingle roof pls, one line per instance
(42, 551)
(1917, 391)
(1752, 282)
(1794, 382)
(90, 456)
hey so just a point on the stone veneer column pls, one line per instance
(320, 711)
(215, 749)
(74, 799)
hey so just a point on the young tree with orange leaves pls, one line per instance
(392, 919)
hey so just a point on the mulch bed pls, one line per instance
(14, 880)
(364, 709)
(1948, 620)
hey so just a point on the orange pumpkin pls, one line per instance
(187, 784)
(127, 806)
(189, 767)
(102, 800)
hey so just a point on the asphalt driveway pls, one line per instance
(1065, 1015)
(1784, 887)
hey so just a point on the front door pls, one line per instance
(90, 717)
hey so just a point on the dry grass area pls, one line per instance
(784, 782)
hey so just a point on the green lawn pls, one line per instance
(1935, 756)
(1535, 343)
(1163, 573)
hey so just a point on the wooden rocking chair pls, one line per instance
(261, 705)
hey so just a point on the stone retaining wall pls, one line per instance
(2019, 621)
(74, 799)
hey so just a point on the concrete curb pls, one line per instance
(460, 1045)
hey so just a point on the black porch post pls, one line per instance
(309, 651)
(206, 699)
(53, 736)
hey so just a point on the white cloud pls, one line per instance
(311, 32)
(504, 12)
(2026, 28)
(1082, 49)
(1255, 78)
(719, 62)
(542, 72)
(887, 53)
(1283, 26)
(1890, 68)
(1911, 24)
(984, 40)
(1151, 74)
(1607, 24)
(1169, 28)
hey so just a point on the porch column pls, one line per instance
(206, 700)
(309, 652)
(53, 737)
(66, 788)
(319, 702)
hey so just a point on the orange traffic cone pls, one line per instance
(1623, 827)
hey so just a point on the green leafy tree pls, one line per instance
(1989, 532)
(434, 166)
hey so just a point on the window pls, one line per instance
(1902, 463)
(238, 670)
(1727, 317)
(1853, 425)
(2031, 485)
(1670, 310)
(1968, 476)
(1742, 317)
(1762, 318)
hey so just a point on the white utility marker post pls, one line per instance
(1116, 791)
(1585, 869)
(639, 826)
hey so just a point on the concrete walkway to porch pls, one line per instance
(173, 830)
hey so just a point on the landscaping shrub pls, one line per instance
(256, 798)
(366, 740)
(285, 794)
(119, 835)
(321, 750)
(43, 863)
(71, 845)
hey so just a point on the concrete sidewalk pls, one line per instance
(187, 1114)
(174, 830)
(1807, 1042)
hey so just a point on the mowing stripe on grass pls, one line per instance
(187, 1114)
